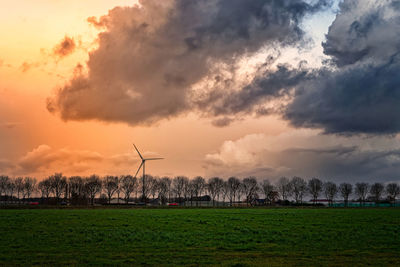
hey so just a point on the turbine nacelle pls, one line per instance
(143, 161)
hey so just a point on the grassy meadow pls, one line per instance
(229, 237)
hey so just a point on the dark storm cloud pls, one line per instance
(269, 85)
(150, 56)
(363, 94)
(332, 150)
(359, 100)
(344, 163)
(364, 31)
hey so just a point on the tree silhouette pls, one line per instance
(93, 187)
(393, 190)
(110, 186)
(178, 185)
(233, 185)
(315, 188)
(362, 191)
(29, 186)
(267, 189)
(299, 188)
(128, 186)
(250, 187)
(58, 183)
(19, 187)
(284, 187)
(345, 190)
(199, 185)
(214, 186)
(45, 188)
(330, 190)
(376, 191)
(4, 180)
(10, 188)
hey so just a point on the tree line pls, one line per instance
(77, 190)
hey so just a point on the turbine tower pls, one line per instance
(143, 164)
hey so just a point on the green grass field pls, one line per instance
(241, 237)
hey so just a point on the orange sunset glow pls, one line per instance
(81, 81)
(200, 133)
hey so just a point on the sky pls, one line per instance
(217, 87)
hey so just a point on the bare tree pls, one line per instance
(233, 184)
(376, 191)
(241, 191)
(164, 185)
(220, 190)
(4, 180)
(29, 186)
(178, 185)
(93, 187)
(146, 185)
(362, 191)
(45, 188)
(284, 187)
(199, 185)
(224, 191)
(58, 183)
(393, 190)
(118, 191)
(128, 186)
(187, 190)
(76, 186)
(345, 190)
(214, 186)
(267, 189)
(167, 184)
(192, 193)
(330, 190)
(251, 189)
(110, 186)
(299, 188)
(154, 187)
(159, 189)
(19, 187)
(11, 189)
(315, 188)
(147, 190)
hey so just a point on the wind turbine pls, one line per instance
(143, 164)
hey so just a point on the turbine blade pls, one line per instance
(153, 158)
(139, 168)
(140, 155)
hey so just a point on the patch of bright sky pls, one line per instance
(315, 27)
